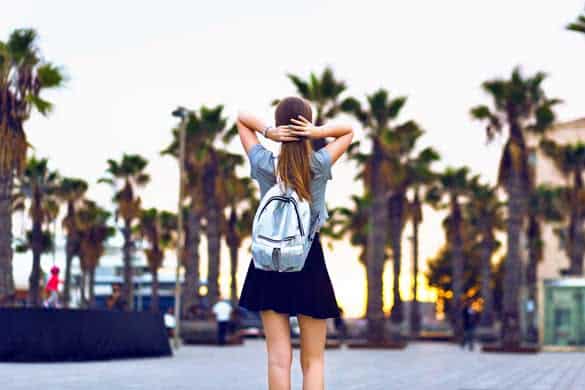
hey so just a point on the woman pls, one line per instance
(308, 293)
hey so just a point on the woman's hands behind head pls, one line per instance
(281, 134)
(304, 128)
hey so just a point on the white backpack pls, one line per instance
(281, 239)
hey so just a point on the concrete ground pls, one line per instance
(420, 366)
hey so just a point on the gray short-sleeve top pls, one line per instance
(262, 169)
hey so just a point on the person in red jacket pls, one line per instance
(52, 288)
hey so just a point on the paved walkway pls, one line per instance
(420, 366)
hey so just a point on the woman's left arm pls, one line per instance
(249, 124)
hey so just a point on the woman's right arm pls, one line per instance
(342, 133)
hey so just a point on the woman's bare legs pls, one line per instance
(313, 334)
(278, 346)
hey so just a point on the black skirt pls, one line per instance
(308, 291)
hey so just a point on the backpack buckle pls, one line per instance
(276, 258)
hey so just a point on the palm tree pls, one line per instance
(37, 184)
(484, 212)
(190, 257)
(570, 161)
(324, 92)
(544, 205)
(451, 191)
(94, 231)
(24, 75)
(578, 25)
(193, 167)
(129, 171)
(202, 165)
(70, 191)
(420, 177)
(521, 106)
(354, 222)
(211, 125)
(45, 241)
(158, 228)
(238, 196)
(386, 180)
(440, 272)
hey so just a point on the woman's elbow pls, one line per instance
(350, 132)
(241, 118)
(240, 121)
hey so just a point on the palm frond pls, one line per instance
(578, 25)
(301, 86)
(50, 76)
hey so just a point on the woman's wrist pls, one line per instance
(265, 131)
(319, 132)
(333, 130)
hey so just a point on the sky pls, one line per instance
(130, 63)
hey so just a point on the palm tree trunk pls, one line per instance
(6, 277)
(576, 244)
(191, 262)
(580, 243)
(234, 272)
(415, 319)
(534, 255)
(69, 253)
(580, 248)
(70, 249)
(128, 285)
(458, 265)
(511, 335)
(34, 293)
(213, 243)
(212, 231)
(83, 288)
(154, 300)
(376, 253)
(487, 315)
(233, 242)
(396, 203)
(92, 288)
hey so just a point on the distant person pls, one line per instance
(469, 322)
(116, 301)
(52, 289)
(306, 293)
(235, 319)
(223, 312)
(170, 321)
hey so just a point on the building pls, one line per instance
(561, 310)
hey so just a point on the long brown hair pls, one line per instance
(294, 167)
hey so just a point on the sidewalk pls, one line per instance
(421, 366)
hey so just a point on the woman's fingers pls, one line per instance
(307, 122)
(297, 128)
(297, 122)
(303, 133)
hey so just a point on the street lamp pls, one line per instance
(183, 114)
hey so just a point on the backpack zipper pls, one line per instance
(289, 238)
